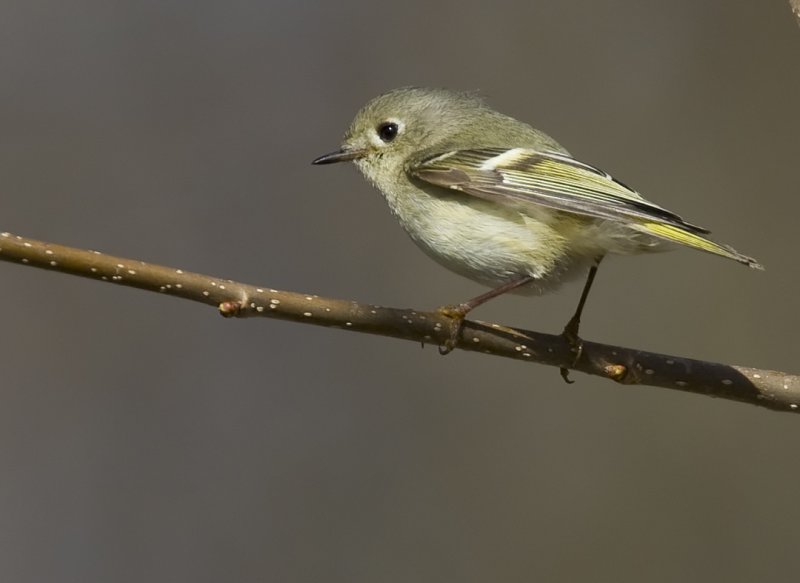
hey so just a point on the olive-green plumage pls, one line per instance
(496, 200)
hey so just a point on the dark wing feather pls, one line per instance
(525, 176)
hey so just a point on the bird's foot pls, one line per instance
(456, 314)
(570, 335)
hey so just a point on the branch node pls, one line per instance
(616, 372)
(230, 309)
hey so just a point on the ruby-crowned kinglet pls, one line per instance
(502, 203)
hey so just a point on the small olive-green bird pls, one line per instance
(495, 200)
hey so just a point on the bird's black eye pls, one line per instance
(387, 131)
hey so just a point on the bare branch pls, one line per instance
(771, 389)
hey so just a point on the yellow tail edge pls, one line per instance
(689, 239)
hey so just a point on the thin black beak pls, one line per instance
(340, 156)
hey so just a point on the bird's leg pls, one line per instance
(458, 312)
(570, 333)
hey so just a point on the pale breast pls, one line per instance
(488, 243)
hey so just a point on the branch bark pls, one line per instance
(774, 390)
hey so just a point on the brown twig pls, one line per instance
(775, 390)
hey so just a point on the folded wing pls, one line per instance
(522, 176)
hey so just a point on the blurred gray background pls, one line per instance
(144, 438)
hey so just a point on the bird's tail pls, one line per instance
(686, 236)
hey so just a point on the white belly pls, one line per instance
(491, 244)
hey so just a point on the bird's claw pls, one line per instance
(456, 314)
(570, 336)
